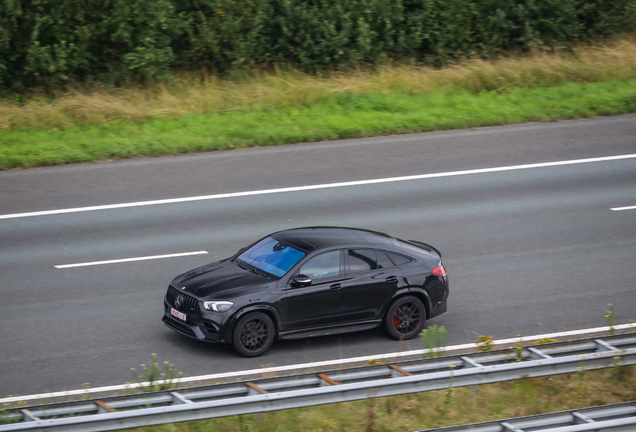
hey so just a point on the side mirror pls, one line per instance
(300, 281)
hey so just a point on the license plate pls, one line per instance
(178, 314)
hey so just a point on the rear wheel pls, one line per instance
(253, 334)
(405, 318)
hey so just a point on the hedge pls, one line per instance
(47, 43)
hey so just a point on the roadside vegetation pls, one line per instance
(193, 114)
(453, 406)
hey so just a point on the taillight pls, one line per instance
(439, 271)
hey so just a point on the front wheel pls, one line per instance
(253, 334)
(405, 318)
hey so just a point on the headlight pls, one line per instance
(217, 306)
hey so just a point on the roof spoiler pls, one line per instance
(426, 245)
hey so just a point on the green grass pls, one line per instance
(345, 115)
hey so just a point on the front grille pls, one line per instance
(187, 303)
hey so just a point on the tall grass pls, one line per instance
(282, 88)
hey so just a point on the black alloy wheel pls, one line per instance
(405, 318)
(253, 334)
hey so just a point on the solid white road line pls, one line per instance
(623, 208)
(130, 259)
(320, 186)
(305, 366)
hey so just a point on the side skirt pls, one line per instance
(324, 331)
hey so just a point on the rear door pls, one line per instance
(371, 279)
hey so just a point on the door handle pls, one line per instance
(335, 286)
(392, 279)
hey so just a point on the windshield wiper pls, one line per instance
(242, 264)
(260, 272)
(249, 267)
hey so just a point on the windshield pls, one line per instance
(272, 256)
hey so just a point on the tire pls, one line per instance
(405, 318)
(253, 334)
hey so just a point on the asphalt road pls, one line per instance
(530, 251)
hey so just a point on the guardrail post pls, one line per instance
(537, 354)
(178, 399)
(253, 389)
(324, 379)
(397, 371)
(469, 363)
(603, 346)
(582, 418)
(511, 428)
(102, 407)
(28, 415)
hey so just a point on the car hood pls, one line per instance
(221, 280)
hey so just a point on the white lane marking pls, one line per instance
(623, 208)
(319, 186)
(305, 366)
(94, 263)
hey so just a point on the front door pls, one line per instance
(321, 303)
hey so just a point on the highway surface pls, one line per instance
(532, 250)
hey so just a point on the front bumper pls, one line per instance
(204, 328)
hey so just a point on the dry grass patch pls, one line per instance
(193, 94)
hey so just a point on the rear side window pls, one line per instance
(361, 260)
(383, 260)
(399, 259)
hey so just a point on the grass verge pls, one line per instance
(345, 115)
(203, 113)
(437, 409)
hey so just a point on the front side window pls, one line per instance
(322, 266)
(272, 256)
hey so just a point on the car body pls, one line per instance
(305, 282)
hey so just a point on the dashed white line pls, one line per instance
(623, 208)
(307, 366)
(144, 258)
(319, 186)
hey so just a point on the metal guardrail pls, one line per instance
(272, 394)
(614, 418)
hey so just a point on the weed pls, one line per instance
(371, 415)
(373, 362)
(484, 343)
(519, 351)
(448, 397)
(154, 378)
(544, 341)
(5, 418)
(612, 318)
(581, 390)
(434, 340)
(620, 373)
